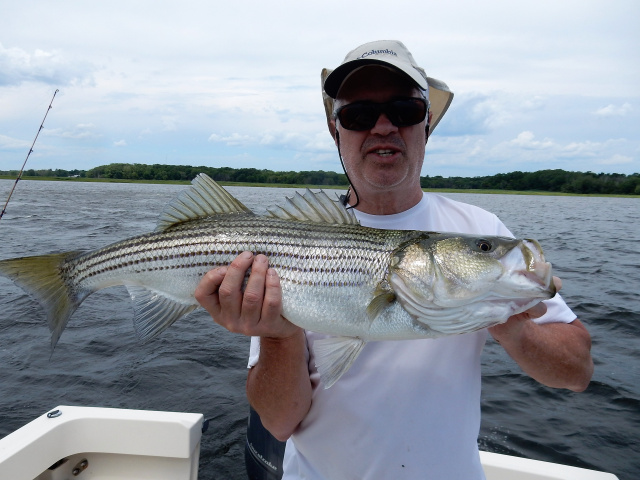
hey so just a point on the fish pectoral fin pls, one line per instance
(154, 312)
(335, 355)
(383, 297)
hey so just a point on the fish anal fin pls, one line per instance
(335, 355)
(203, 198)
(154, 312)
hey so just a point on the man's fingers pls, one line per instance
(254, 291)
(230, 290)
(234, 279)
(558, 283)
(272, 304)
(537, 310)
(207, 290)
(253, 310)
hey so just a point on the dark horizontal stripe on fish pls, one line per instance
(141, 244)
(275, 239)
(336, 263)
(322, 261)
(101, 262)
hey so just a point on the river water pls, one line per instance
(197, 366)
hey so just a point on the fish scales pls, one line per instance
(305, 254)
(353, 283)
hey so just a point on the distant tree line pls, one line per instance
(225, 174)
(543, 180)
(58, 172)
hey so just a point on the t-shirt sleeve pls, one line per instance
(254, 351)
(557, 312)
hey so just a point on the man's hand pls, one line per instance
(555, 354)
(255, 310)
(514, 324)
(278, 386)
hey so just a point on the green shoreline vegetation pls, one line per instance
(542, 182)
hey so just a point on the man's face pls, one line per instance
(386, 159)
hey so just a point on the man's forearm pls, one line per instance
(278, 386)
(555, 354)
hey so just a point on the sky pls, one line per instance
(538, 85)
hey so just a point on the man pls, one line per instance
(407, 409)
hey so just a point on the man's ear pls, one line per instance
(333, 131)
(426, 128)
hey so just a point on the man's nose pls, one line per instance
(383, 126)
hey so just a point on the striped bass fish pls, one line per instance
(355, 283)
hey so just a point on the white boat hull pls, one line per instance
(507, 467)
(116, 444)
(120, 444)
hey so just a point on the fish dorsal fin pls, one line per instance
(315, 208)
(203, 198)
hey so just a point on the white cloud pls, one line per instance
(527, 141)
(482, 113)
(474, 156)
(8, 143)
(233, 140)
(80, 131)
(474, 114)
(614, 110)
(581, 149)
(321, 142)
(300, 142)
(534, 103)
(279, 140)
(169, 122)
(616, 160)
(120, 143)
(51, 67)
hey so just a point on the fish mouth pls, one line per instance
(527, 262)
(541, 275)
(538, 270)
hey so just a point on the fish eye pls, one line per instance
(484, 245)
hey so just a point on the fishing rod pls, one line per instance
(25, 160)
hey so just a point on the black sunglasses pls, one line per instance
(402, 112)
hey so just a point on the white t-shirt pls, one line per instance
(405, 409)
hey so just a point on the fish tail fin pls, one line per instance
(43, 278)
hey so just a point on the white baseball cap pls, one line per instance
(387, 53)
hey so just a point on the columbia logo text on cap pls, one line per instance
(377, 52)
